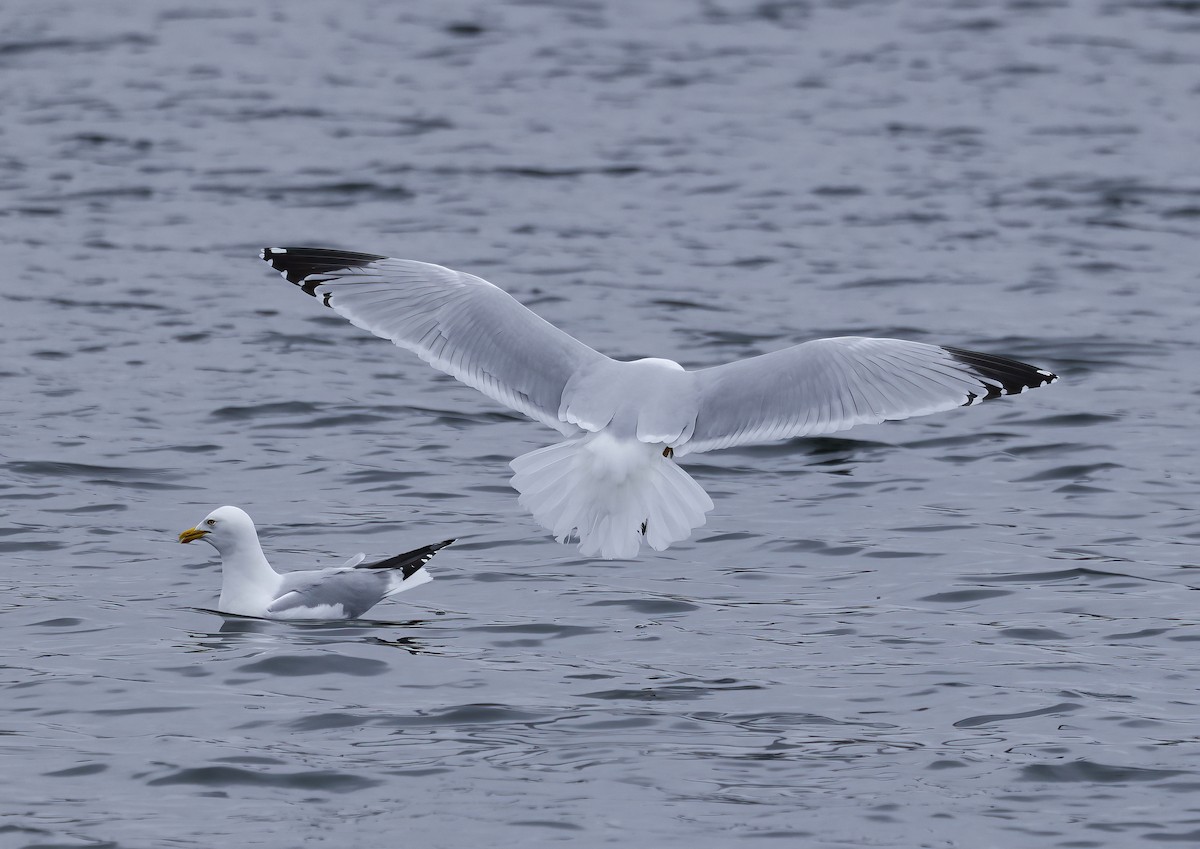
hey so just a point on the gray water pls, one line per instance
(970, 630)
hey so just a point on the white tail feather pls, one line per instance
(605, 489)
(397, 583)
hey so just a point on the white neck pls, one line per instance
(248, 583)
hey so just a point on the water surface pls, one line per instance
(970, 630)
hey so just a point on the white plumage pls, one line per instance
(250, 587)
(612, 491)
(615, 482)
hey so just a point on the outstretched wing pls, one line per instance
(828, 385)
(456, 322)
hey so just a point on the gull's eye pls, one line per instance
(211, 522)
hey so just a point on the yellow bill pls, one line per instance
(191, 534)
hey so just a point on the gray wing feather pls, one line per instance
(356, 590)
(828, 385)
(456, 322)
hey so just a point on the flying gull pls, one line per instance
(615, 482)
(250, 587)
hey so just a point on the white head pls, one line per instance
(227, 529)
(659, 362)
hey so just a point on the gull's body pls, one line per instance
(250, 587)
(615, 482)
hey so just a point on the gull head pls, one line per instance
(659, 362)
(226, 529)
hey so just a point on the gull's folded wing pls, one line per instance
(828, 385)
(354, 590)
(456, 322)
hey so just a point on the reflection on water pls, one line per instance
(237, 632)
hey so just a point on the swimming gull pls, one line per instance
(250, 587)
(615, 481)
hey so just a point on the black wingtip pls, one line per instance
(298, 264)
(1000, 376)
(410, 561)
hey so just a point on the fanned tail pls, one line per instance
(614, 493)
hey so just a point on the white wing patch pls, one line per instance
(290, 606)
